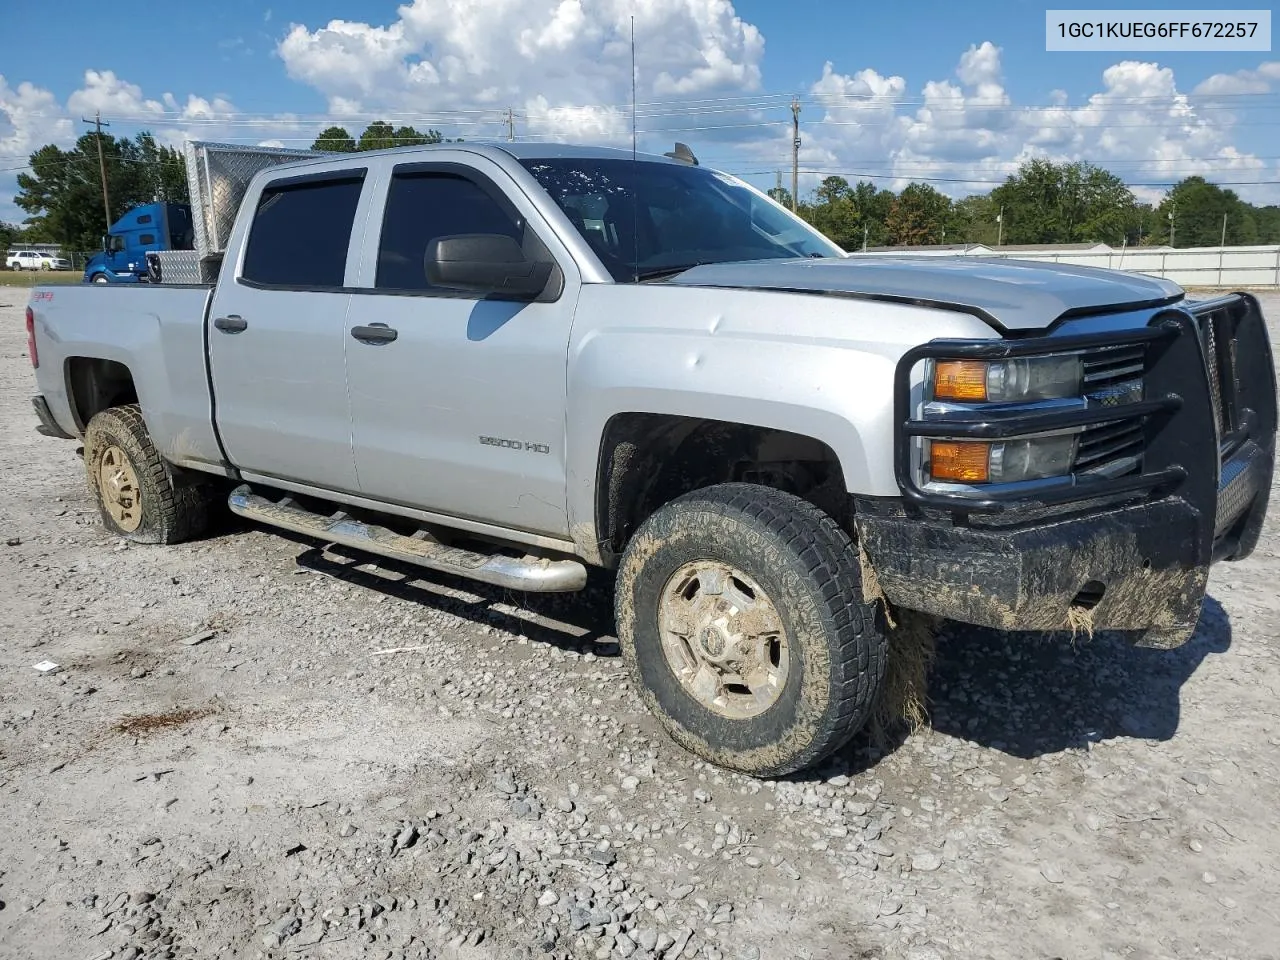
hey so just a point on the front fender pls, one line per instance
(816, 366)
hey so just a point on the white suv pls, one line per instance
(28, 260)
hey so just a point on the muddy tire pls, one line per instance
(742, 620)
(135, 489)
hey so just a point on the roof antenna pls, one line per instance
(635, 169)
(682, 153)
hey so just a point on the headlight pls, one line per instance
(1007, 381)
(1005, 461)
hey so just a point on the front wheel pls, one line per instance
(741, 615)
(137, 494)
(99, 278)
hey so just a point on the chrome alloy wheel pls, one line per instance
(723, 639)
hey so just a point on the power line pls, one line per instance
(888, 176)
(102, 165)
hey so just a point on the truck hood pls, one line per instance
(1008, 294)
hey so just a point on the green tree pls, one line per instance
(1268, 221)
(380, 135)
(1145, 229)
(62, 192)
(848, 215)
(780, 194)
(163, 169)
(1193, 212)
(917, 216)
(10, 233)
(832, 210)
(873, 210)
(1046, 202)
(973, 220)
(335, 140)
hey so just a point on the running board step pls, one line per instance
(533, 574)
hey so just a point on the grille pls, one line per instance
(1219, 368)
(1111, 450)
(1113, 377)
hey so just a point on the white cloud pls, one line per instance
(32, 116)
(565, 65)
(29, 118)
(1241, 82)
(967, 129)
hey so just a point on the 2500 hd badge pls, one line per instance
(516, 444)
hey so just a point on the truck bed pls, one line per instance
(157, 332)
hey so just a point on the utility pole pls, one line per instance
(1000, 227)
(865, 227)
(511, 124)
(1173, 225)
(1224, 231)
(795, 150)
(98, 122)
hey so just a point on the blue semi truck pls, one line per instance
(145, 229)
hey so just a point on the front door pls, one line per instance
(278, 332)
(457, 401)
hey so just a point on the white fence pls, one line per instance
(1189, 267)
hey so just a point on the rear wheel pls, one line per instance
(99, 278)
(136, 491)
(741, 615)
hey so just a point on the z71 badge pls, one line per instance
(516, 444)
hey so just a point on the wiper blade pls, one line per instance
(661, 273)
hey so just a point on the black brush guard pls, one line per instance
(1133, 550)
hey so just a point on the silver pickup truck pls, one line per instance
(513, 362)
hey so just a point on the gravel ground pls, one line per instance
(358, 762)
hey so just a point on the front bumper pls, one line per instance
(1141, 567)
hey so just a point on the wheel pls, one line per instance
(742, 620)
(99, 278)
(135, 489)
(45, 266)
(15, 266)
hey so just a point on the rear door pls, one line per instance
(458, 400)
(278, 332)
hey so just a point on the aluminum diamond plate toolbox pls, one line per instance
(217, 175)
(181, 266)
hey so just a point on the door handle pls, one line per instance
(375, 333)
(231, 324)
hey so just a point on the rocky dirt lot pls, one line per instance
(361, 762)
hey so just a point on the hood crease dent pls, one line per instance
(1010, 295)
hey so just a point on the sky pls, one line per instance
(954, 94)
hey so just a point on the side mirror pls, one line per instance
(485, 263)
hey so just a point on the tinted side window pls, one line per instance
(145, 218)
(301, 232)
(422, 207)
(147, 238)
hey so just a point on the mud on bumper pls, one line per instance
(1134, 568)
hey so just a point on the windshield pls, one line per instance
(646, 219)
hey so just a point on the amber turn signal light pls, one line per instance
(959, 461)
(960, 380)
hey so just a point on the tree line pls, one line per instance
(62, 190)
(1043, 202)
